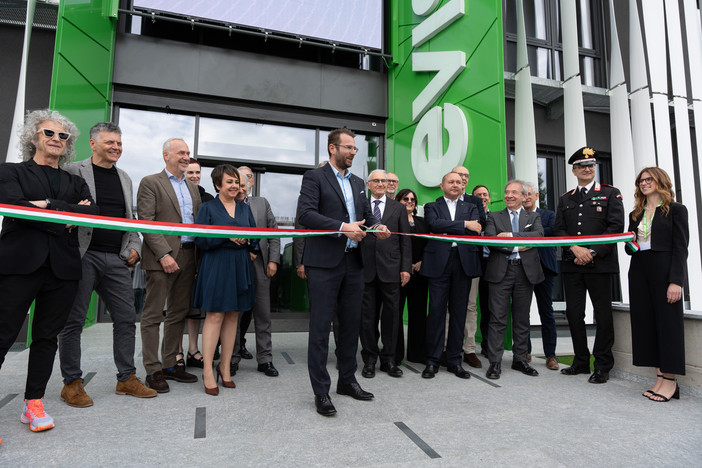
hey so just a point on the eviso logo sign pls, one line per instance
(429, 161)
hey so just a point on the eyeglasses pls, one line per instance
(378, 181)
(409, 200)
(63, 136)
(645, 180)
(464, 176)
(249, 176)
(348, 147)
(393, 181)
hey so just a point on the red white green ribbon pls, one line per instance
(201, 230)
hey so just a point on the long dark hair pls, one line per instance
(403, 193)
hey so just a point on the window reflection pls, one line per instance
(143, 134)
(247, 141)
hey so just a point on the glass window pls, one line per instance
(246, 141)
(143, 134)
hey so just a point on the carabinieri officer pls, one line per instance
(591, 208)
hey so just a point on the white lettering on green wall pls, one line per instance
(429, 162)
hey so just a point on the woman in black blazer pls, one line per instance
(656, 276)
(416, 291)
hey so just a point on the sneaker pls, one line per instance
(34, 415)
(133, 386)
(157, 382)
(74, 395)
(178, 374)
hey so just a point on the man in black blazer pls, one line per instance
(40, 261)
(591, 208)
(544, 290)
(386, 267)
(333, 199)
(512, 273)
(449, 268)
(469, 356)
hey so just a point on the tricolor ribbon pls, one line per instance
(201, 230)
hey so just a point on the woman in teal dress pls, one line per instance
(225, 283)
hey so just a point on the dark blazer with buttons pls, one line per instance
(321, 205)
(549, 261)
(478, 202)
(529, 226)
(25, 244)
(669, 233)
(436, 253)
(388, 257)
(600, 212)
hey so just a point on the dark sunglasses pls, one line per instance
(409, 199)
(63, 136)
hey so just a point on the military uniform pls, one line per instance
(599, 211)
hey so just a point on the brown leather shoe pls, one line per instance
(472, 360)
(74, 395)
(133, 386)
(552, 363)
(158, 382)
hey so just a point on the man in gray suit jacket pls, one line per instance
(512, 273)
(386, 267)
(265, 266)
(169, 263)
(106, 258)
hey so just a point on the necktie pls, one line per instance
(246, 199)
(376, 209)
(515, 228)
(583, 191)
(515, 221)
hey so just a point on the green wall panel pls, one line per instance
(478, 91)
(81, 81)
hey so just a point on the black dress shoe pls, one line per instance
(233, 367)
(599, 376)
(368, 370)
(494, 371)
(268, 369)
(244, 353)
(524, 368)
(391, 369)
(459, 371)
(324, 405)
(354, 391)
(572, 370)
(429, 372)
(178, 374)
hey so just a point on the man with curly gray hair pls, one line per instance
(40, 261)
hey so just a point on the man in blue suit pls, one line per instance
(449, 268)
(544, 289)
(333, 199)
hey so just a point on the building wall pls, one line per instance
(41, 59)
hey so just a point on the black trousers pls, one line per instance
(54, 298)
(448, 290)
(340, 287)
(657, 328)
(415, 293)
(376, 293)
(599, 287)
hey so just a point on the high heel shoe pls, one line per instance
(650, 390)
(214, 391)
(664, 399)
(225, 383)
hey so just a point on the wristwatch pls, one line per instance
(48, 203)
